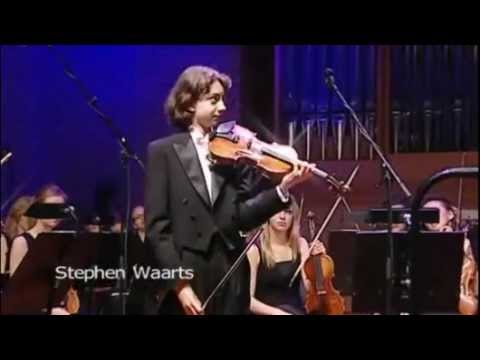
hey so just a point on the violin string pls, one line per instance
(271, 135)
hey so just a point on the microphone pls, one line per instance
(329, 78)
(71, 211)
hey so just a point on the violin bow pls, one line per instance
(349, 210)
(460, 196)
(234, 267)
(324, 224)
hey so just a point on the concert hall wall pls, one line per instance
(56, 137)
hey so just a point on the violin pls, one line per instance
(468, 301)
(72, 301)
(321, 297)
(230, 143)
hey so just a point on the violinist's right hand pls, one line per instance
(189, 300)
(301, 172)
(318, 248)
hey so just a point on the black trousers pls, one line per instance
(209, 268)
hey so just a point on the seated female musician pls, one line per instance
(468, 302)
(16, 223)
(274, 261)
(3, 253)
(3, 260)
(51, 194)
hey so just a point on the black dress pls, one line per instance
(28, 238)
(273, 285)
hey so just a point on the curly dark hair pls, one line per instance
(194, 82)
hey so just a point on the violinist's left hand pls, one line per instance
(318, 248)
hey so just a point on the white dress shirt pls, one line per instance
(200, 141)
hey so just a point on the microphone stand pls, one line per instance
(126, 153)
(389, 173)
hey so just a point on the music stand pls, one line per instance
(33, 288)
(435, 272)
(102, 250)
(341, 249)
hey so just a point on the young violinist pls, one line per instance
(195, 210)
(16, 223)
(273, 263)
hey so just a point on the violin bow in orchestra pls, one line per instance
(460, 197)
(325, 222)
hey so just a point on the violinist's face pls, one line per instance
(209, 107)
(52, 223)
(282, 221)
(445, 215)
